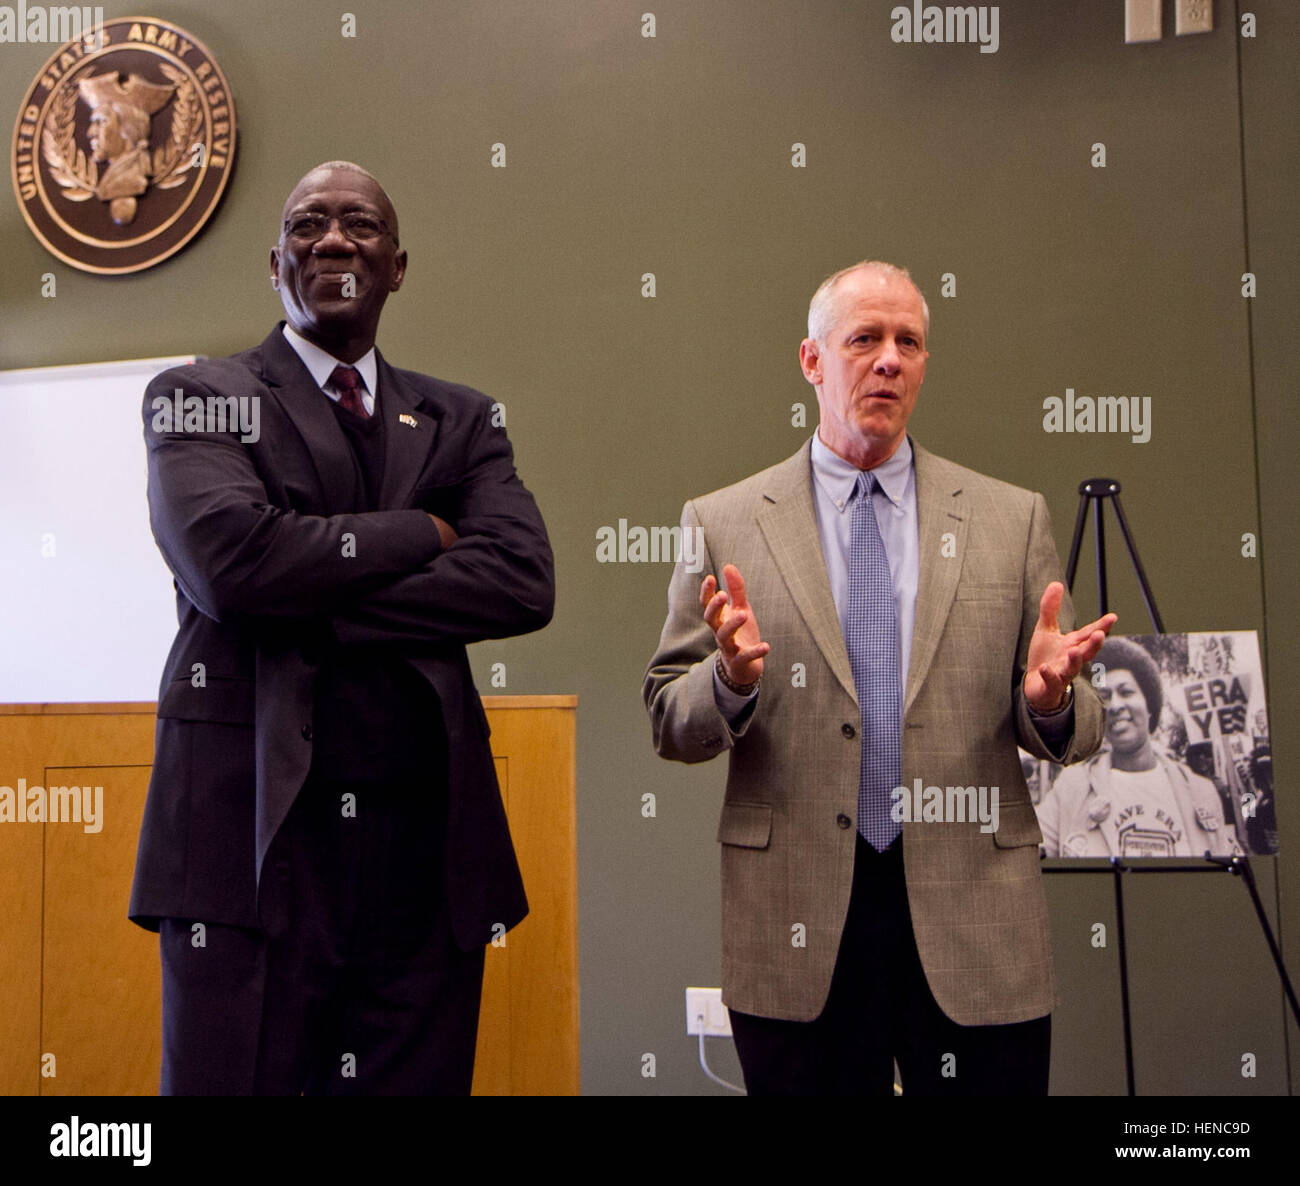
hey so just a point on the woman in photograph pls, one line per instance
(1130, 800)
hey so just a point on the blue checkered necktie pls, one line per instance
(871, 636)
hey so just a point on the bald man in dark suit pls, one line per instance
(324, 849)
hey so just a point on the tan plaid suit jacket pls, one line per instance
(788, 820)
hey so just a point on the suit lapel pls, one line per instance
(409, 436)
(942, 507)
(308, 410)
(788, 521)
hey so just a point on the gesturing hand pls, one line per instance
(1056, 658)
(732, 621)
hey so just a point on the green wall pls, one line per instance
(672, 155)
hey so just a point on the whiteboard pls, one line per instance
(87, 609)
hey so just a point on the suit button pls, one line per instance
(848, 730)
(843, 821)
(306, 733)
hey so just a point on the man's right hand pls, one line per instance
(731, 618)
(446, 532)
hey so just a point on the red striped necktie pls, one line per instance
(347, 381)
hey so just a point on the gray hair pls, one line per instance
(352, 167)
(821, 309)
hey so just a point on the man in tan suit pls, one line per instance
(881, 892)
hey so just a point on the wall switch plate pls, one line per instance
(1193, 16)
(705, 1013)
(1142, 20)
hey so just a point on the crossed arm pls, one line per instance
(407, 575)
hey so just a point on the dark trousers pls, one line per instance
(880, 1009)
(354, 985)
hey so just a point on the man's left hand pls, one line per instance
(446, 532)
(1056, 658)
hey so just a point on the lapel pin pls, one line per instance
(409, 420)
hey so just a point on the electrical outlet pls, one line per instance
(705, 1013)
(1193, 16)
(1142, 20)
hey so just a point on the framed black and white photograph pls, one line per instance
(1186, 765)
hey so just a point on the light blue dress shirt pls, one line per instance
(833, 483)
(894, 501)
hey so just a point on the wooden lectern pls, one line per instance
(81, 984)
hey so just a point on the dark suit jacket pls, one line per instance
(787, 829)
(255, 534)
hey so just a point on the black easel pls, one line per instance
(1092, 492)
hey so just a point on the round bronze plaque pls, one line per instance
(123, 145)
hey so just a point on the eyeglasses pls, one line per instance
(357, 226)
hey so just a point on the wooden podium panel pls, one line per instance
(528, 1028)
(83, 979)
(81, 983)
(91, 983)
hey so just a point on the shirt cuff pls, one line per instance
(734, 707)
(1055, 728)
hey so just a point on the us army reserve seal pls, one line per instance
(123, 145)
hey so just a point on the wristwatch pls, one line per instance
(1051, 712)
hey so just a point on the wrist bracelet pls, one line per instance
(731, 685)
